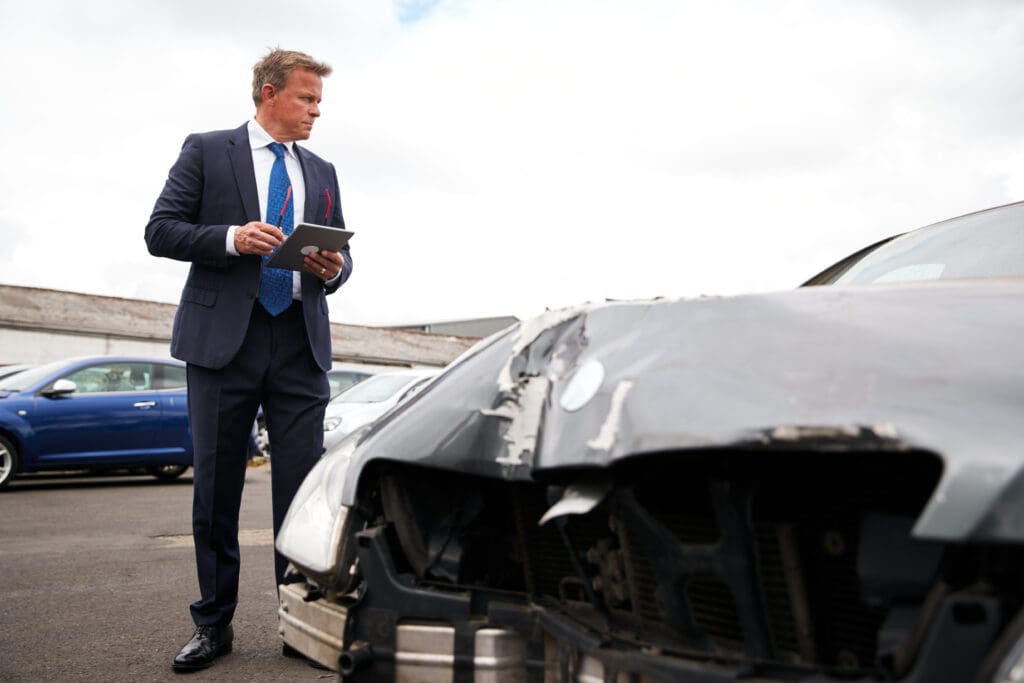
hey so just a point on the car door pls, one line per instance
(111, 418)
(173, 440)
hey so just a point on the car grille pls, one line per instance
(802, 543)
(726, 557)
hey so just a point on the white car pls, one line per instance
(343, 376)
(371, 398)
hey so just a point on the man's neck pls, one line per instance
(267, 126)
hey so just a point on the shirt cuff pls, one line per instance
(230, 246)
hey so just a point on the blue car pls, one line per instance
(96, 413)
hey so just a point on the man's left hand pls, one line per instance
(324, 264)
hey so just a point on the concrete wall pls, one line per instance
(30, 346)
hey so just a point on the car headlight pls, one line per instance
(311, 532)
(331, 423)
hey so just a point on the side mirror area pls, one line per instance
(61, 387)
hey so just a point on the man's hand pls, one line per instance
(324, 264)
(257, 238)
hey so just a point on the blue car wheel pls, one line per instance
(8, 461)
(167, 471)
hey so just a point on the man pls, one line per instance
(250, 335)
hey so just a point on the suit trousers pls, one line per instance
(274, 368)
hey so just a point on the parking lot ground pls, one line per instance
(97, 572)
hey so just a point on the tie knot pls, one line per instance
(278, 149)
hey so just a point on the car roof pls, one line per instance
(365, 368)
(414, 372)
(119, 359)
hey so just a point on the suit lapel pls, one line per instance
(312, 199)
(241, 163)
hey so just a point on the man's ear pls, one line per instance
(268, 92)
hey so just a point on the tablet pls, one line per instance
(306, 238)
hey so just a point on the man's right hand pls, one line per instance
(257, 238)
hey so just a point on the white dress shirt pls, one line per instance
(262, 163)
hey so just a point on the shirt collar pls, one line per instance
(259, 138)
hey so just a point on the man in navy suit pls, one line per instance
(240, 350)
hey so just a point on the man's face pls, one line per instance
(292, 110)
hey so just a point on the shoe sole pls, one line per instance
(185, 668)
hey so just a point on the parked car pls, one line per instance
(95, 413)
(345, 376)
(8, 370)
(824, 484)
(371, 398)
(341, 376)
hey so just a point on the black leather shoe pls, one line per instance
(289, 651)
(208, 643)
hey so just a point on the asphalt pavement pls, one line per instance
(96, 575)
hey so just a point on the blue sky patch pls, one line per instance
(412, 11)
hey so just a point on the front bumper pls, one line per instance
(423, 652)
(313, 627)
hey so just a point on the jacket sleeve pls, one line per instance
(174, 229)
(338, 221)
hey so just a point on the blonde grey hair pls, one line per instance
(275, 67)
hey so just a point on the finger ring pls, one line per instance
(323, 270)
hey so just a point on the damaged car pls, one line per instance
(824, 484)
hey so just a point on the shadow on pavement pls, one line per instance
(83, 479)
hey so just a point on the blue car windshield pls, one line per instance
(31, 377)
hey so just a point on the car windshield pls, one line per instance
(340, 380)
(29, 378)
(984, 244)
(374, 389)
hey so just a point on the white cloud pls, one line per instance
(506, 157)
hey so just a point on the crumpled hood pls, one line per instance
(933, 366)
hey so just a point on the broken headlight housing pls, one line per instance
(311, 533)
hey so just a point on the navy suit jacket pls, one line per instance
(211, 187)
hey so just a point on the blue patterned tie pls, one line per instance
(276, 283)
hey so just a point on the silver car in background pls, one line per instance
(369, 399)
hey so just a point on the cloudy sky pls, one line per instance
(500, 158)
